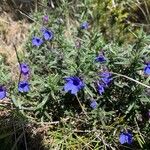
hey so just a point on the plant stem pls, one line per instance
(138, 82)
(82, 107)
(18, 60)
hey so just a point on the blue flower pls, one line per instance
(147, 69)
(36, 41)
(24, 69)
(84, 25)
(106, 78)
(101, 58)
(48, 34)
(23, 86)
(100, 89)
(106, 81)
(2, 92)
(93, 104)
(105, 74)
(125, 138)
(74, 84)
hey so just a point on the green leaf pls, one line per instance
(130, 108)
(15, 102)
(40, 106)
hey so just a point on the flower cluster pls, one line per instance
(47, 35)
(73, 84)
(23, 86)
(105, 79)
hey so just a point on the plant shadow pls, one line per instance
(18, 9)
(16, 133)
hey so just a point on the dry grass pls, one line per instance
(12, 32)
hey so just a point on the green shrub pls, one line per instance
(124, 104)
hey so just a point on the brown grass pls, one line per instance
(12, 32)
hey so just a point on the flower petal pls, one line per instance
(2, 94)
(48, 34)
(67, 87)
(93, 104)
(122, 138)
(74, 90)
(100, 59)
(36, 41)
(85, 25)
(23, 86)
(24, 69)
(125, 138)
(147, 70)
(100, 89)
(74, 84)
